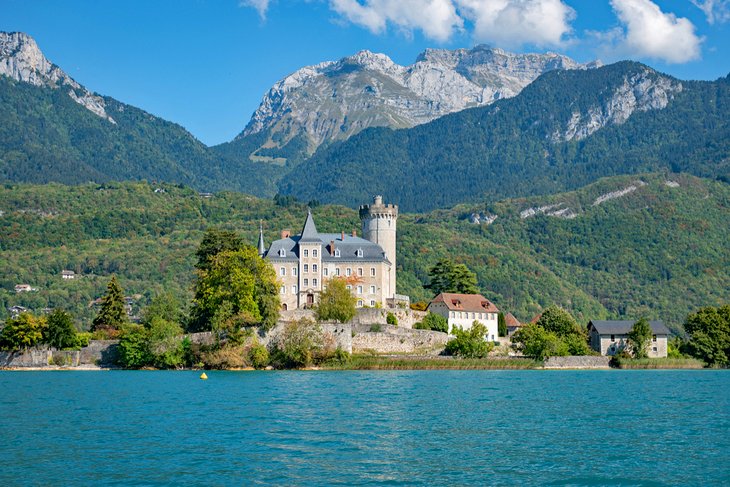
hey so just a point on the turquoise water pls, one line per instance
(371, 428)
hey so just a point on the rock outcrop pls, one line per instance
(22, 60)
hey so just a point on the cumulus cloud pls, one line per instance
(437, 19)
(715, 10)
(648, 32)
(512, 23)
(261, 6)
(508, 23)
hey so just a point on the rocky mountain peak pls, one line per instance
(22, 60)
(336, 99)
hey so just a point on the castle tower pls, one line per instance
(379, 226)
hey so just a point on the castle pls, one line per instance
(305, 262)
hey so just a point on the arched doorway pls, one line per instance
(310, 300)
(283, 307)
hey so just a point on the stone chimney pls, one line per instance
(354, 232)
(332, 247)
(343, 236)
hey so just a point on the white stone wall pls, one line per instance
(465, 319)
(657, 347)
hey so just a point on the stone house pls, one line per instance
(23, 288)
(513, 324)
(305, 262)
(463, 309)
(66, 274)
(610, 337)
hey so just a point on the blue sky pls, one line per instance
(205, 64)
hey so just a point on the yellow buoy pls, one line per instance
(203, 376)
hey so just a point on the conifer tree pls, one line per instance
(112, 314)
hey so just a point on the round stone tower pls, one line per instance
(379, 226)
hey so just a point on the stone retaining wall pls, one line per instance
(99, 352)
(392, 339)
(577, 362)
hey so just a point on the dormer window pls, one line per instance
(282, 253)
(337, 252)
(359, 253)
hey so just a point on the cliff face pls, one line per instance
(22, 60)
(334, 100)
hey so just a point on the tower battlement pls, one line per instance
(378, 210)
(379, 222)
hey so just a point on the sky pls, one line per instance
(206, 64)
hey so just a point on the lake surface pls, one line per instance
(371, 428)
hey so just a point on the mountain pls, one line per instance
(54, 129)
(647, 244)
(335, 100)
(564, 130)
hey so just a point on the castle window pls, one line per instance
(359, 289)
(315, 253)
(293, 271)
(306, 282)
(348, 272)
(314, 282)
(282, 271)
(359, 271)
(359, 303)
(325, 272)
(282, 289)
(337, 252)
(349, 288)
(372, 302)
(337, 271)
(653, 338)
(359, 253)
(372, 271)
(282, 253)
(293, 289)
(306, 267)
(306, 253)
(372, 289)
(314, 267)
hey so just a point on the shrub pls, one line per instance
(83, 339)
(376, 328)
(258, 356)
(434, 322)
(227, 356)
(300, 343)
(469, 343)
(134, 351)
(419, 306)
(536, 342)
(391, 319)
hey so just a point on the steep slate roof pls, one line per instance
(346, 244)
(624, 327)
(466, 302)
(511, 321)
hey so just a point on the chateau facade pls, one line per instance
(305, 262)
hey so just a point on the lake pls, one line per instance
(366, 428)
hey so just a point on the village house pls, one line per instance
(24, 288)
(305, 262)
(15, 311)
(65, 274)
(463, 309)
(610, 337)
(513, 324)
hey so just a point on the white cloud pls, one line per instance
(715, 10)
(437, 19)
(261, 6)
(650, 33)
(512, 23)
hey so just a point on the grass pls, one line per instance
(371, 362)
(660, 363)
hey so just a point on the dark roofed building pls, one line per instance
(610, 337)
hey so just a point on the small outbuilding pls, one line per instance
(464, 309)
(610, 337)
(513, 324)
(66, 274)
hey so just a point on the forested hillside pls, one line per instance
(659, 249)
(563, 131)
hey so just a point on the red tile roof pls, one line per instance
(466, 302)
(511, 321)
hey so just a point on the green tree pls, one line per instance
(112, 315)
(237, 288)
(469, 343)
(433, 321)
(448, 277)
(709, 335)
(501, 325)
(536, 342)
(215, 241)
(336, 302)
(134, 350)
(299, 344)
(165, 343)
(60, 331)
(165, 306)
(556, 320)
(639, 337)
(22, 332)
